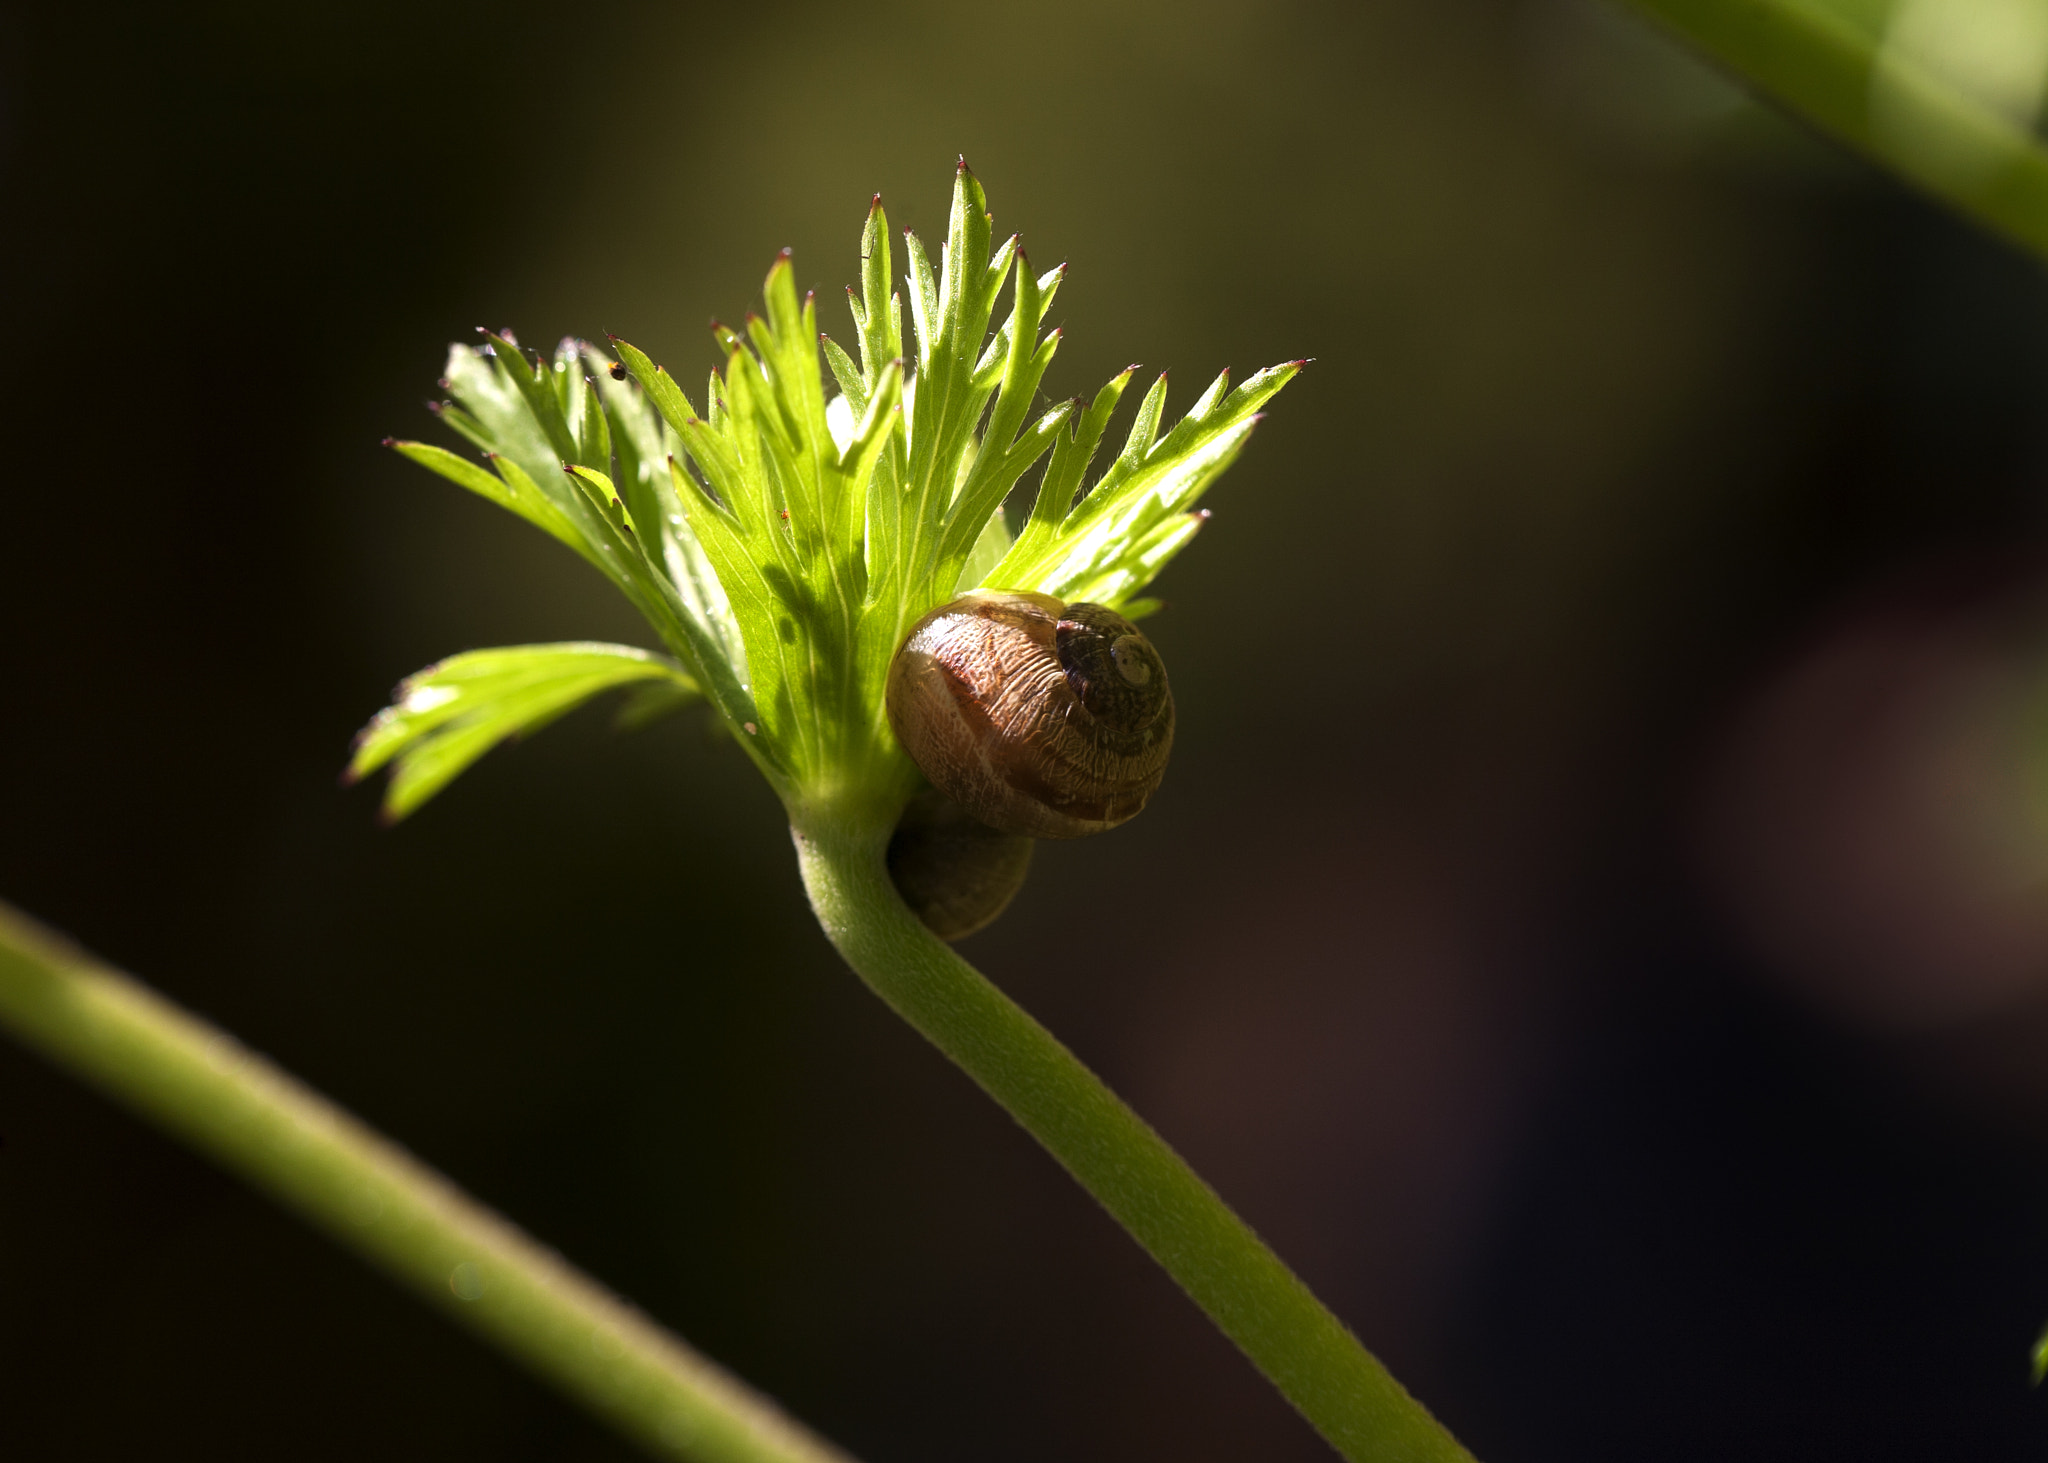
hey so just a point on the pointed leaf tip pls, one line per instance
(390, 441)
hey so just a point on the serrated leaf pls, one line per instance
(853, 386)
(661, 388)
(445, 717)
(536, 386)
(988, 552)
(1120, 535)
(516, 494)
(1072, 452)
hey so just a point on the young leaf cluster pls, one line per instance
(782, 531)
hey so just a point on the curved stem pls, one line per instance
(376, 1199)
(1214, 1256)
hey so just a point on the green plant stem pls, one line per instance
(223, 1099)
(1214, 1256)
(1825, 69)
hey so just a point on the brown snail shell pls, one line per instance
(1037, 717)
(954, 871)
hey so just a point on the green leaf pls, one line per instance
(517, 494)
(660, 387)
(1071, 455)
(498, 411)
(533, 383)
(1117, 539)
(987, 553)
(448, 715)
(593, 430)
(877, 312)
(852, 384)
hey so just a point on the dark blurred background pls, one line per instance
(1597, 923)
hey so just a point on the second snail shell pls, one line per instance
(1040, 718)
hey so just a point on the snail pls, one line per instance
(954, 871)
(1038, 718)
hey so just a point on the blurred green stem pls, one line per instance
(1827, 70)
(206, 1088)
(1214, 1256)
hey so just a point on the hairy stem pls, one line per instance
(1212, 1254)
(1882, 103)
(208, 1089)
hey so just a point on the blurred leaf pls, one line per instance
(1944, 93)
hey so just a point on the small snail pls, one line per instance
(1037, 717)
(955, 872)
